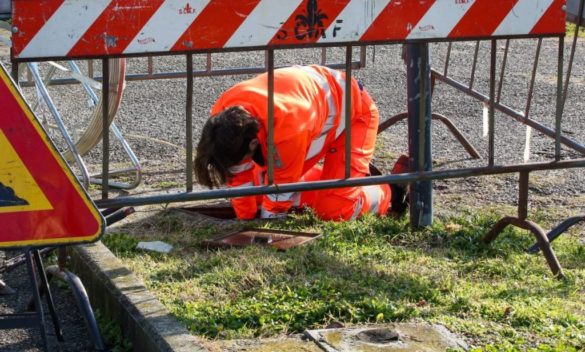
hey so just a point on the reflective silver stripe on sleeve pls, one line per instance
(281, 197)
(357, 208)
(241, 167)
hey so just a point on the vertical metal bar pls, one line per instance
(418, 77)
(270, 65)
(14, 71)
(560, 97)
(491, 105)
(447, 59)
(523, 195)
(49, 297)
(36, 297)
(189, 124)
(420, 165)
(533, 79)
(572, 55)
(363, 53)
(323, 56)
(348, 107)
(90, 72)
(503, 70)
(208, 63)
(105, 128)
(474, 66)
(150, 65)
(62, 258)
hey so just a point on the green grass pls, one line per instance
(371, 270)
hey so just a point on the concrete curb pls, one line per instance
(119, 294)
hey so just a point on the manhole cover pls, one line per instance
(280, 239)
(378, 336)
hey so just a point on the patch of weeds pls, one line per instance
(112, 334)
(168, 184)
(120, 244)
(170, 222)
(571, 27)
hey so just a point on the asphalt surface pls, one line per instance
(152, 117)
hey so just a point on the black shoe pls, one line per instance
(399, 200)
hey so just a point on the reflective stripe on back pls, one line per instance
(319, 142)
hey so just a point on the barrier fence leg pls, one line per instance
(418, 76)
(37, 298)
(521, 222)
(44, 288)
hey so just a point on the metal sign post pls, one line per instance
(418, 77)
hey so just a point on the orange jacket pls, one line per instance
(309, 105)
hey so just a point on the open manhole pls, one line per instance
(279, 239)
(378, 336)
(215, 212)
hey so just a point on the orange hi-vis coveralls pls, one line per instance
(309, 125)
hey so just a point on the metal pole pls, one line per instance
(573, 48)
(418, 76)
(189, 123)
(491, 105)
(474, 66)
(348, 114)
(14, 71)
(105, 128)
(503, 69)
(533, 78)
(447, 59)
(37, 297)
(560, 99)
(270, 65)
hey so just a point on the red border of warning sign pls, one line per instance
(72, 217)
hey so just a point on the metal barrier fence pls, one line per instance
(327, 24)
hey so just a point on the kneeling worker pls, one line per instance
(309, 103)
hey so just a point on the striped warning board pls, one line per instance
(97, 28)
(41, 201)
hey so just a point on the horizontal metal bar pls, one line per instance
(509, 111)
(181, 74)
(363, 181)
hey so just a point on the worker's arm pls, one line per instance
(289, 159)
(243, 176)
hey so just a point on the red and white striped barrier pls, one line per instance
(97, 28)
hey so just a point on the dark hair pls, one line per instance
(224, 142)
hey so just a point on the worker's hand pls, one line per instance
(265, 214)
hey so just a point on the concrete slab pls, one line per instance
(284, 344)
(387, 337)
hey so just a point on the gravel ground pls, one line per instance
(152, 118)
(72, 323)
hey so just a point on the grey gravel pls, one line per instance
(152, 118)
